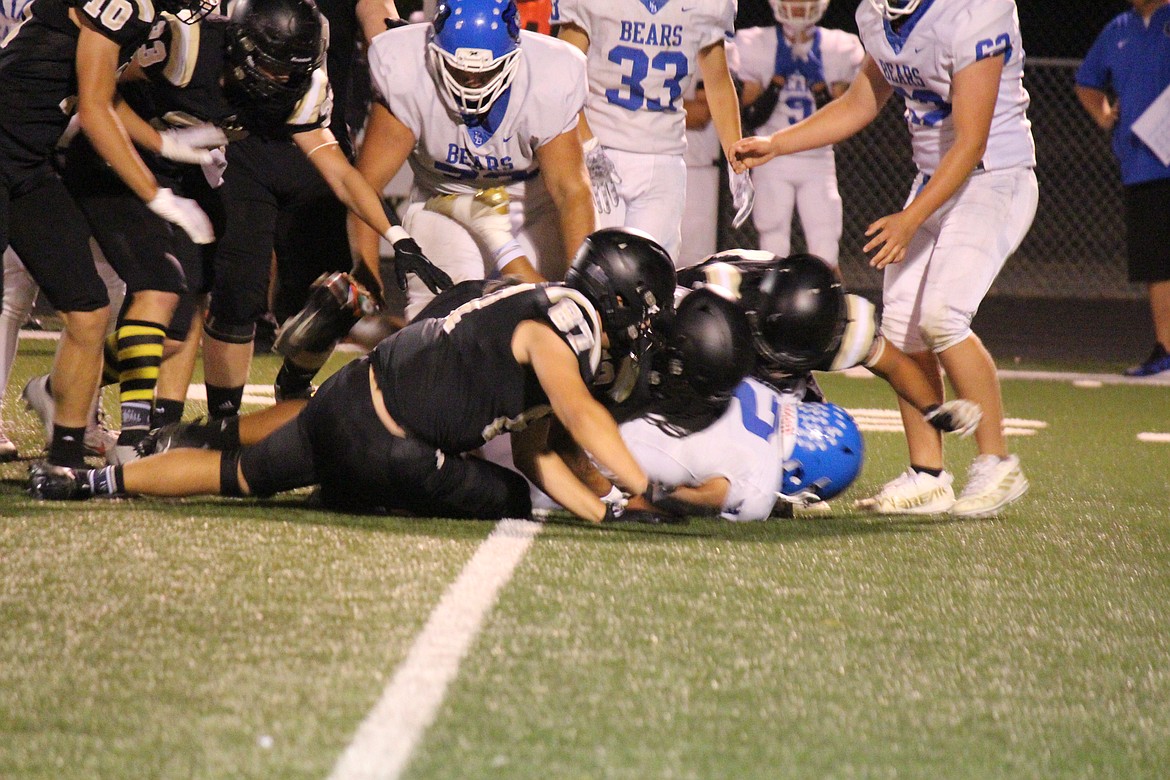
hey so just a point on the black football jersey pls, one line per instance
(453, 381)
(38, 72)
(185, 65)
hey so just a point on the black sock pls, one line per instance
(223, 434)
(104, 482)
(166, 411)
(924, 470)
(67, 447)
(294, 380)
(224, 401)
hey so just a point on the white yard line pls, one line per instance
(386, 739)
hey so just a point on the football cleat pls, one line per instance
(47, 482)
(336, 302)
(1157, 363)
(912, 493)
(992, 484)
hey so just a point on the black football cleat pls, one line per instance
(47, 482)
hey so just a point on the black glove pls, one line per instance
(409, 258)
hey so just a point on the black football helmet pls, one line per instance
(630, 280)
(273, 47)
(707, 352)
(797, 311)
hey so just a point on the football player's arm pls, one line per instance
(840, 119)
(562, 165)
(375, 16)
(387, 144)
(139, 130)
(571, 33)
(97, 68)
(547, 469)
(346, 182)
(586, 420)
(974, 91)
(1097, 103)
(722, 99)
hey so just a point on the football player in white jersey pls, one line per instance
(958, 64)
(788, 70)
(643, 56)
(476, 104)
(766, 446)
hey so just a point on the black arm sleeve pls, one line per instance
(758, 112)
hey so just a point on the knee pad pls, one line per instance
(229, 480)
(232, 333)
(944, 326)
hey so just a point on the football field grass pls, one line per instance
(211, 638)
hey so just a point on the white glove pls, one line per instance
(191, 144)
(485, 215)
(743, 195)
(183, 212)
(214, 168)
(603, 176)
(959, 416)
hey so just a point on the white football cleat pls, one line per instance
(992, 484)
(912, 493)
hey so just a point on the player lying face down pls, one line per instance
(391, 430)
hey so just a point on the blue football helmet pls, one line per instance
(822, 449)
(474, 50)
(893, 9)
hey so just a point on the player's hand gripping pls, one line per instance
(751, 152)
(183, 212)
(409, 259)
(191, 144)
(603, 176)
(891, 238)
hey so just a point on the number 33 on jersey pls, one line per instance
(642, 58)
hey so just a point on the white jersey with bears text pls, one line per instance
(841, 54)
(545, 101)
(920, 61)
(747, 445)
(643, 57)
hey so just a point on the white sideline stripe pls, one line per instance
(1159, 438)
(385, 740)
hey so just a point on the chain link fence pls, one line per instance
(1076, 247)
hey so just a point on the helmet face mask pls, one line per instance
(895, 9)
(799, 15)
(474, 52)
(273, 48)
(630, 280)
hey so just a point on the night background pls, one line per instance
(1050, 29)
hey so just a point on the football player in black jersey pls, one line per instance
(392, 430)
(66, 55)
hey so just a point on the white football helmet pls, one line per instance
(799, 15)
(892, 9)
